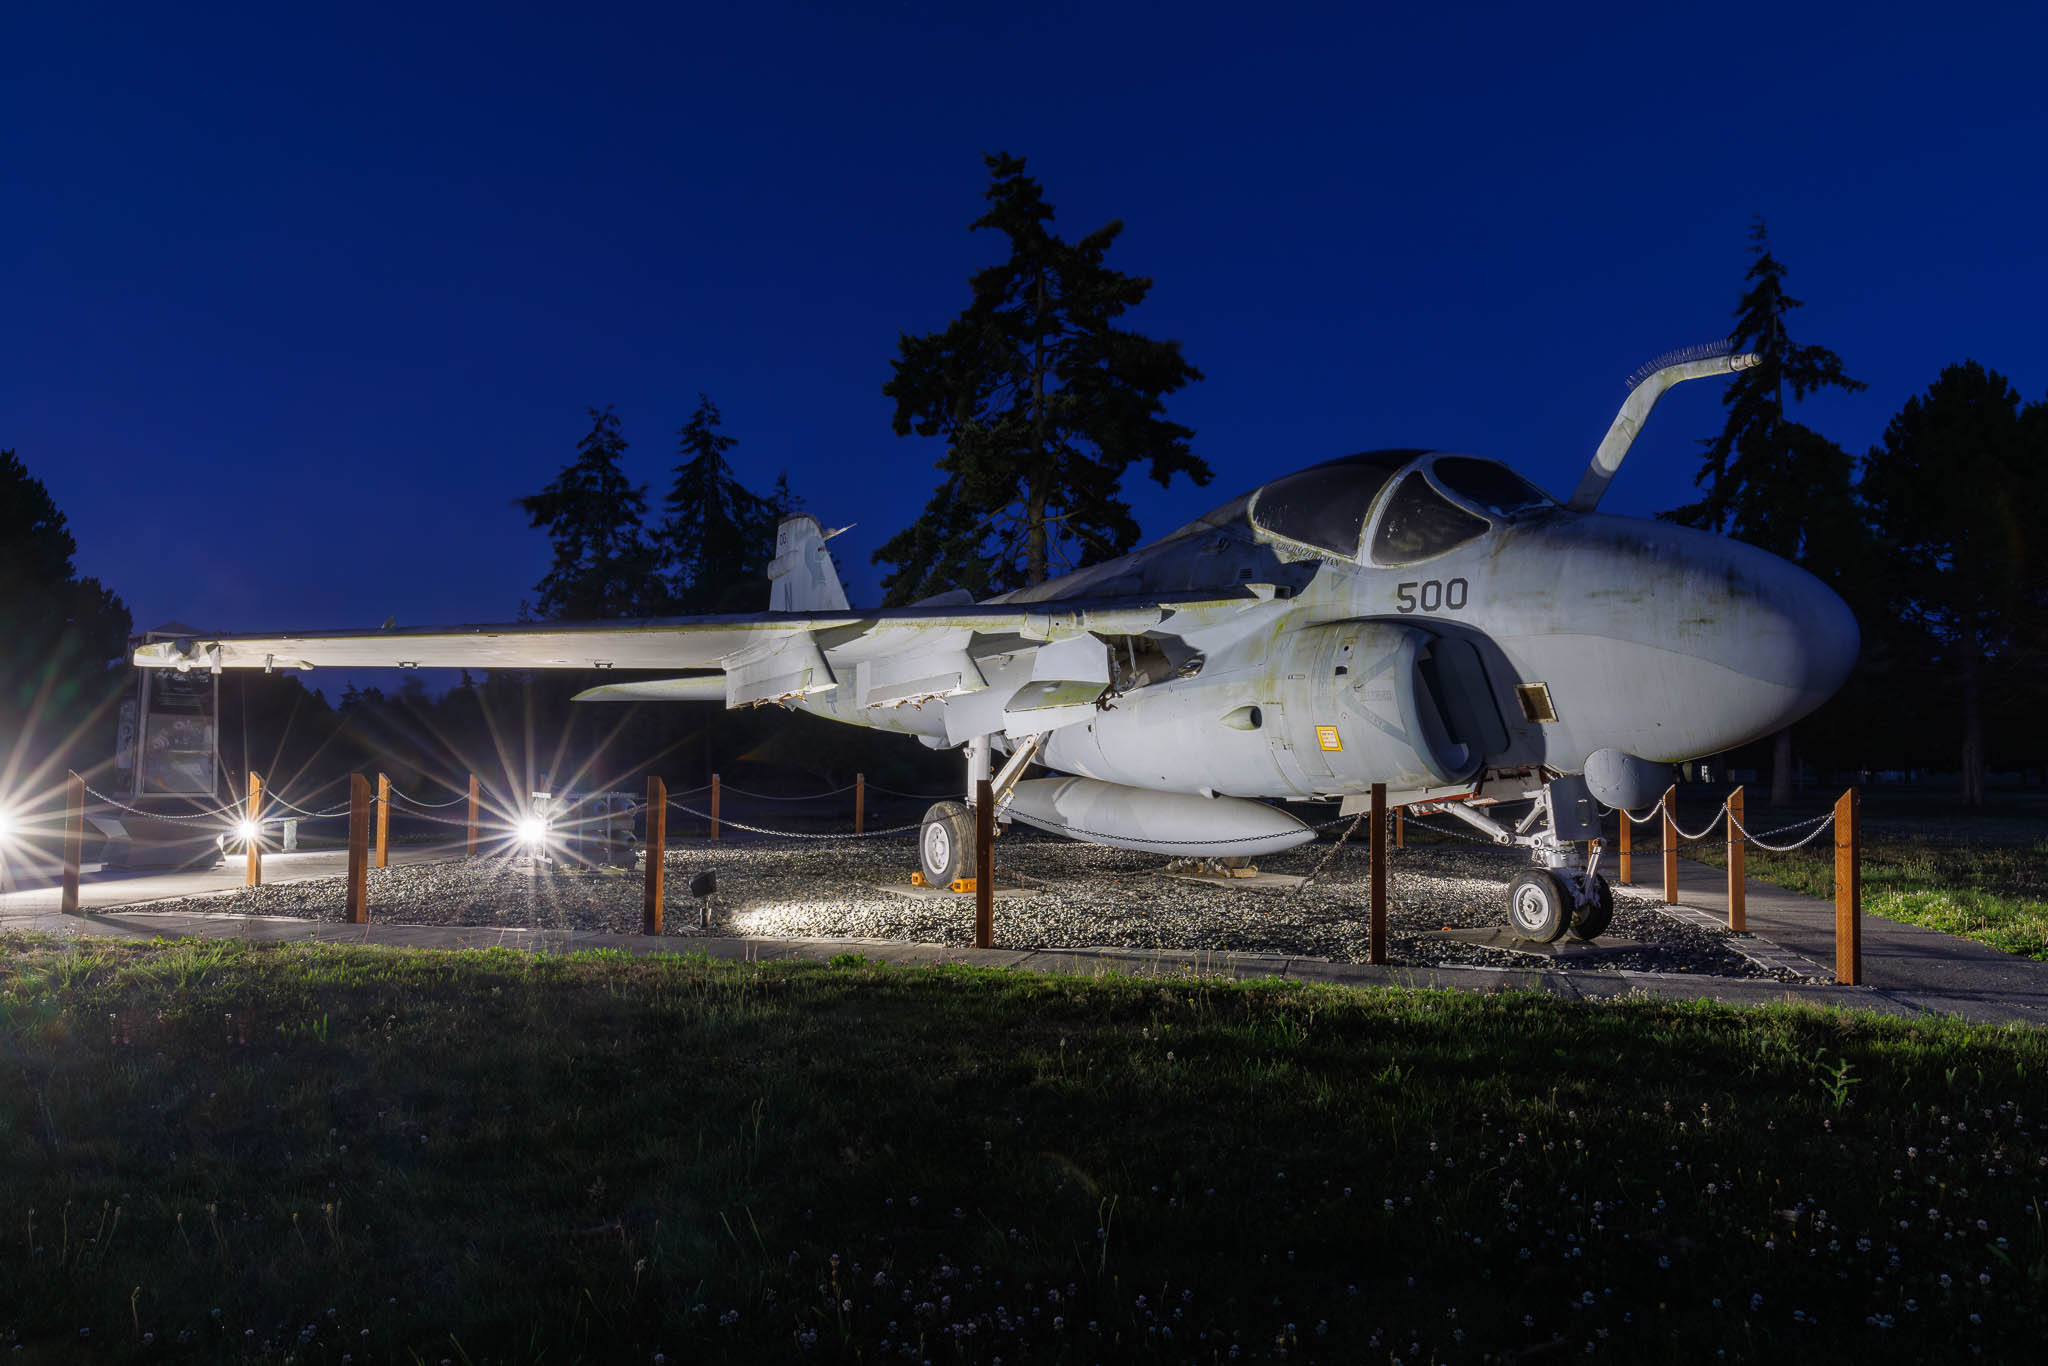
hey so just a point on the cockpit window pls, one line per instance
(1420, 522)
(1494, 487)
(1326, 505)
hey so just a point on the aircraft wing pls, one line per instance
(903, 654)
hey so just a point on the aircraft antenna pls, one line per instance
(1646, 386)
(1712, 350)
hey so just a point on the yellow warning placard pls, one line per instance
(1327, 737)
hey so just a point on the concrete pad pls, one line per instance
(1501, 937)
(1257, 882)
(958, 898)
(111, 887)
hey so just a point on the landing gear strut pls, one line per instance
(1565, 891)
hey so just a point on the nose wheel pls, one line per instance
(1539, 906)
(1565, 894)
(1591, 918)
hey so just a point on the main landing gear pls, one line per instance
(945, 845)
(945, 842)
(1565, 892)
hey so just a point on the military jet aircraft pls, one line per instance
(1427, 620)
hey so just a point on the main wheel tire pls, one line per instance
(1539, 907)
(945, 846)
(1591, 921)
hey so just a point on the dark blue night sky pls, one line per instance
(298, 299)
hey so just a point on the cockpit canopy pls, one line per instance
(1441, 503)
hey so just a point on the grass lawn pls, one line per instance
(219, 1152)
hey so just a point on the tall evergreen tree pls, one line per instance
(1957, 491)
(718, 535)
(1767, 479)
(1043, 403)
(58, 634)
(604, 565)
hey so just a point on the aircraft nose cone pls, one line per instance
(1824, 638)
(1711, 643)
(1775, 623)
(1789, 638)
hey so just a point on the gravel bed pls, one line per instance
(1078, 896)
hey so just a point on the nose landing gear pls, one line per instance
(1565, 892)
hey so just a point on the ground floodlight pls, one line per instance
(6, 826)
(246, 832)
(532, 829)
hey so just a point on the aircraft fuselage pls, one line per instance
(1537, 637)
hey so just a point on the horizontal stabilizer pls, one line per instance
(702, 688)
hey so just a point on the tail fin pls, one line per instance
(802, 577)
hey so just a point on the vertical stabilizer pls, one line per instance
(802, 577)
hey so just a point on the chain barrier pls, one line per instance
(1820, 824)
(1688, 837)
(792, 834)
(165, 816)
(772, 797)
(288, 804)
(1454, 833)
(1330, 857)
(431, 806)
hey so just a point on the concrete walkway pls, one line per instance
(1912, 971)
(1917, 969)
(102, 887)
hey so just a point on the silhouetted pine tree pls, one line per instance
(1043, 403)
(58, 634)
(1768, 480)
(718, 535)
(1957, 491)
(604, 565)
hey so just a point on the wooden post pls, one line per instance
(469, 850)
(1671, 845)
(1376, 925)
(252, 875)
(74, 841)
(383, 817)
(1400, 829)
(1848, 893)
(714, 806)
(984, 865)
(1738, 860)
(860, 802)
(358, 849)
(1627, 860)
(656, 847)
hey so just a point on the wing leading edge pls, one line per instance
(902, 655)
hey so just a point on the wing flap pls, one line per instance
(777, 669)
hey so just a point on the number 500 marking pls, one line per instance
(1432, 595)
